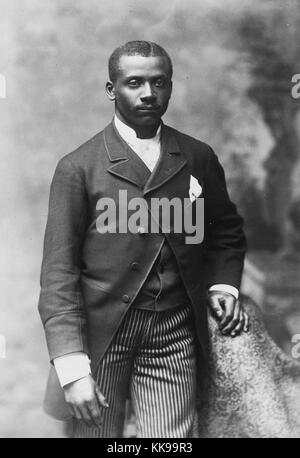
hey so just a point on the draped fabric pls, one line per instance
(253, 387)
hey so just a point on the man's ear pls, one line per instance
(110, 91)
(171, 86)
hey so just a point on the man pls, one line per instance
(124, 306)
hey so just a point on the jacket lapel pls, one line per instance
(126, 164)
(170, 162)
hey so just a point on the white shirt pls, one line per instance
(74, 366)
(148, 149)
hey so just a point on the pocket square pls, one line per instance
(195, 189)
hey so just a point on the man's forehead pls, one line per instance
(140, 65)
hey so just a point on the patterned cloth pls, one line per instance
(253, 388)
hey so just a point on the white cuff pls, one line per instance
(226, 289)
(72, 367)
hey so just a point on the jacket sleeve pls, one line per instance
(61, 305)
(225, 242)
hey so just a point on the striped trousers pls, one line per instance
(151, 359)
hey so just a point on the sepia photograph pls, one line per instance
(150, 229)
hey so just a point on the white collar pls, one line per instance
(129, 135)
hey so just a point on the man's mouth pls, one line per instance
(148, 108)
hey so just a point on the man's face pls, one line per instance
(142, 90)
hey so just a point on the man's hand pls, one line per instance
(85, 401)
(229, 313)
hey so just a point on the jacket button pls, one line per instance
(141, 230)
(126, 298)
(135, 266)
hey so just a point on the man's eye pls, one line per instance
(134, 83)
(159, 83)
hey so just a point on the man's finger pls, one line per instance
(95, 413)
(85, 415)
(77, 413)
(233, 320)
(100, 398)
(72, 410)
(230, 305)
(240, 326)
(246, 324)
(215, 306)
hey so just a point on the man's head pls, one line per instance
(136, 48)
(140, 83)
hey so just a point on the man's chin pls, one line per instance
(148, 120)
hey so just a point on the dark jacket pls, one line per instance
(87, 279)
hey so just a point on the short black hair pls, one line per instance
(135, 48)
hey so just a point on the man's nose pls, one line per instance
(148, 92)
